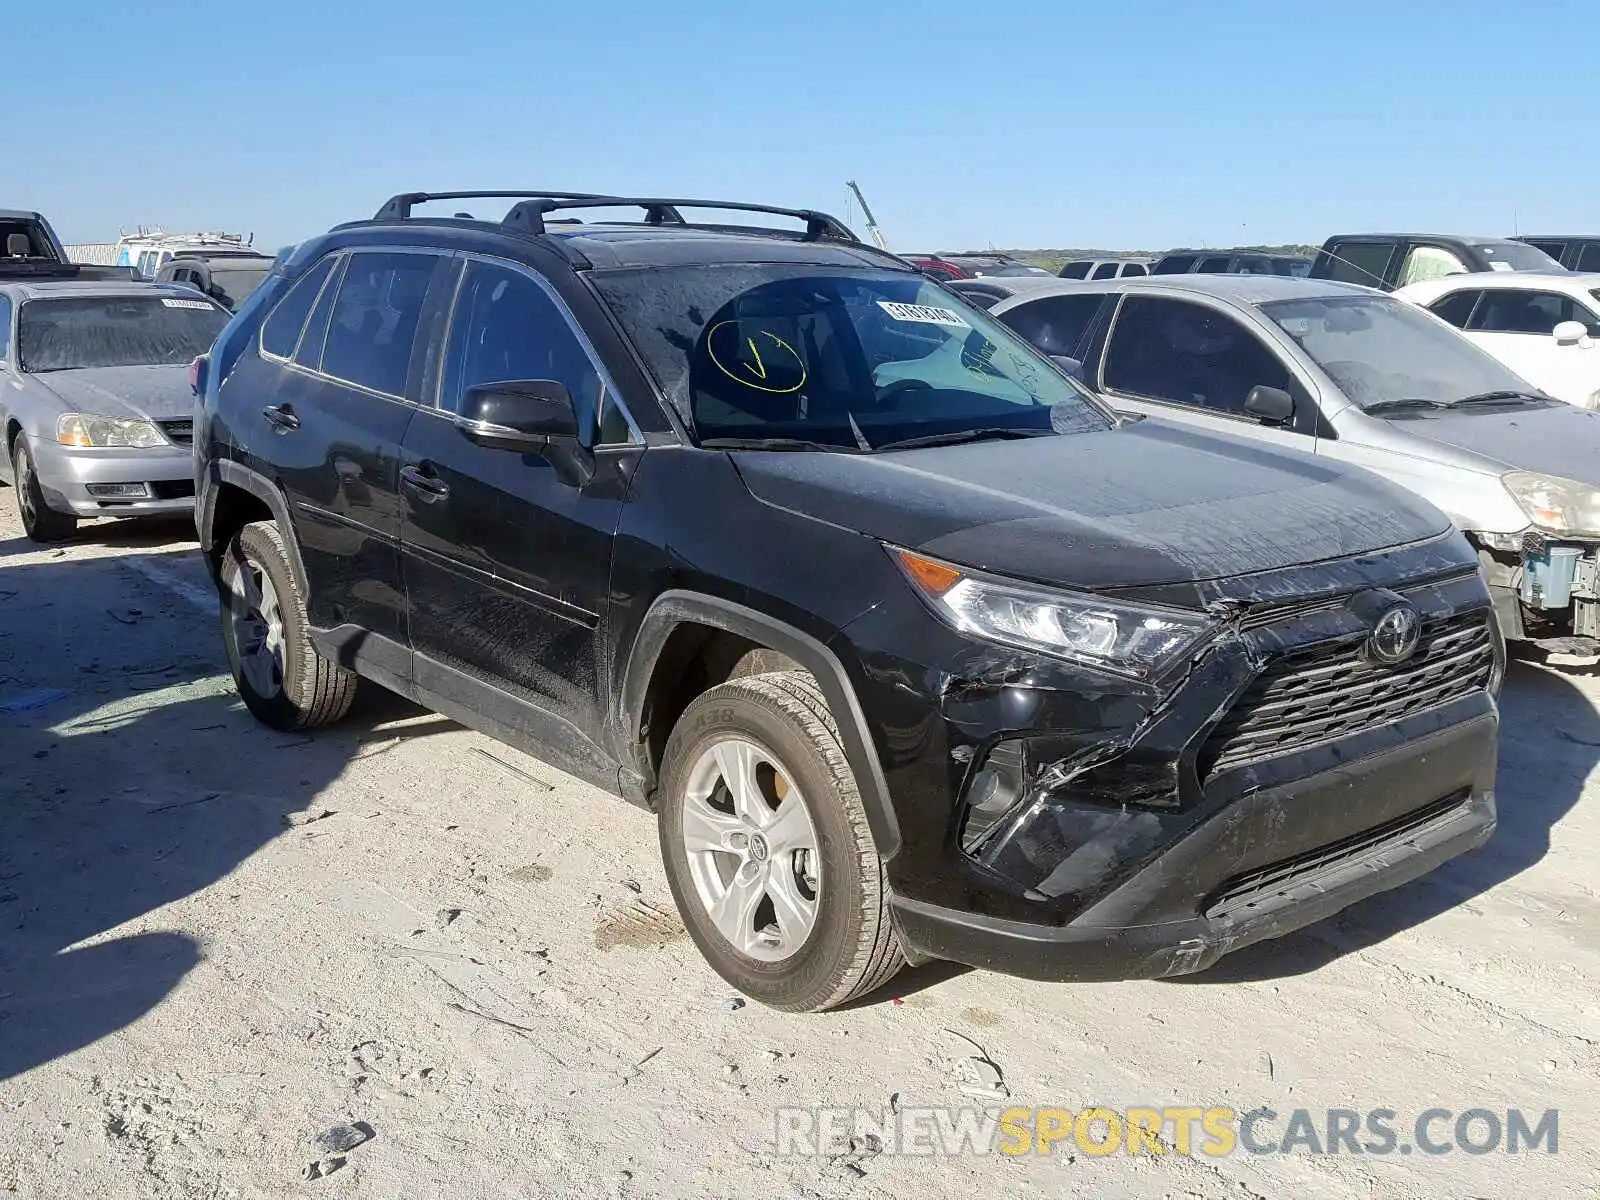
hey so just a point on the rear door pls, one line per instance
(506, 563)
(1193, 363)
(332, 432)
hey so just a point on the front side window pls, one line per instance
(1381, 350)
(1216, 264)
(115, 331)
(1515, 310)
(1188, 354)
(1429, 262)
(1056, 324)
(1175, 264)
(374, 319)
(1456, 307)
(507, 327)
(1365, 263)
(281, 330)
(835, 357)
(1589, 257)
(1107, 270)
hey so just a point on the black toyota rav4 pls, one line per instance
(914, 650)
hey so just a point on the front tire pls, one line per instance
(39, 521)
(767, 848)
(280, 676)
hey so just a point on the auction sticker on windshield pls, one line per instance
(923, 313)
(200, 304)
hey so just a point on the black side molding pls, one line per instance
(673, 608)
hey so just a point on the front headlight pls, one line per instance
(81, 429)
(1556, 505)
(1129, 639)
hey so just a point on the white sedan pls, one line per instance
(1545, 327)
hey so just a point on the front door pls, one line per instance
(1195, 364)
(506, 563)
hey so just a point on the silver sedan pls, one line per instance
(95, 402)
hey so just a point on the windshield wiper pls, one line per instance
(1410, 402)
(775, 443)
(1500, 397)
(963, 435)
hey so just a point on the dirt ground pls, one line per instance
(217, 942)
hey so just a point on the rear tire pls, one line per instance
(280, 676)
(790, 907)
(39, 521)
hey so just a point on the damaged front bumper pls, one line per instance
(1545, 591)
(1099, 828)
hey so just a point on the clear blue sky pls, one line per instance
(1015, 123)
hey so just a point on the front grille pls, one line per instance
(1244, 892)
(179, 432)
(1330, 691)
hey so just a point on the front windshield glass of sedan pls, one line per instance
(1379, 349)
(115, 331)
(849, 359)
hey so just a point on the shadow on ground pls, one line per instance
(1549, 745)
(130, 777)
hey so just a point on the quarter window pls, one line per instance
(281, 330)
(374, 319)
(1456, 307)
(5, 328)
(1429, 262)
(1185, 354)
(506, 326)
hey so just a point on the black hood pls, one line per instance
(1147, 503)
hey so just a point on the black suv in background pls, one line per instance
(227, 276)
(1575, 251)
(1229, 262)
(1393, 260)
(915, 649)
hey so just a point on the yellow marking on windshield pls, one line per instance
(760, 368)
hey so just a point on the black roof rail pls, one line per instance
(398, 208)
(528, 216)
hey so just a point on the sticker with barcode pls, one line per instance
(926, 314)
(185, 303)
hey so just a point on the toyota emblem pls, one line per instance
(1395, 636)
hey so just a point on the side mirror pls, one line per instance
(1071, 366)
(1570, 333)
(1269, 405)
(523, 415)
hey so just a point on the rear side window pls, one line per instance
(1554, 249)
(374, 319)
(1106, 270)
(1187, 354)
(281, 331)
(1589, 257)
(5, 328)
(1366, 263)
(1216, 264)
(1076, 270)
(1135, 269)
(1055, 324)
(1174, 264)
(1456, 307)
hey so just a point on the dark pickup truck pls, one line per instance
(1393, 260)
(29, 247)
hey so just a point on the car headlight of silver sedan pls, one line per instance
(86, 430)
(1555, 505)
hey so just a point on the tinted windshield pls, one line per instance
(765, 352)
(1379, 349)
(1518, 256)
(115, 331)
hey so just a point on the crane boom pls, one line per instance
(872, 225)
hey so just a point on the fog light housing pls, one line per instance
(118, 491)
